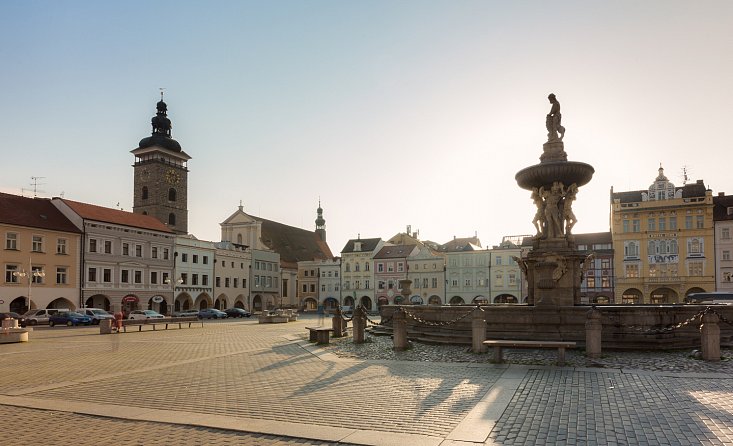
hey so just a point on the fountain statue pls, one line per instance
(554, 266)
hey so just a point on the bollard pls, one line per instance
(105, 326)
(478, 329)
(359, 324)
(399, 325)
(710, 337)
(338, 323)
(593, 331)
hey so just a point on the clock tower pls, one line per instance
(161, 175)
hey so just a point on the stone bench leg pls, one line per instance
(498, 355)
(561, 356)
(313, 336)
(323, 337)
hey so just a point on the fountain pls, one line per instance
(554, 268)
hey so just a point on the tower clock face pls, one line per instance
(172, 177)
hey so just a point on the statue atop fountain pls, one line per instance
(554, 266)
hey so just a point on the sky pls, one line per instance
(392, 113)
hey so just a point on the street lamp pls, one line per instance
(23, 273)
(168, 281)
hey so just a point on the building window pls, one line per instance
(92, 275)
(313, 288)
(153, 277)
(662, 224)
(107, 247)
(695, 269)
(165, 278)
(590, 282)
(226, 282)
(454, 282)
(9, 276)
(695, 247)
(636, 225)
(605, 282)
(425, 282)
(194, 279)
(725, 233)
(631, 249)
(357, 267)
(195, 258)
(184, 279)
(651, 224)
(166, 254)
(499, 279)
(138, 250)
(380, 267)
(235, 282)
(61, 246)
(512, 279)
(125, 249)
(171, 219)
(217, 282)
(171, 194)
(37, 245)
(467, 282)
(688, 222)
(434, 282)
(726, 255)
(380, 284)
(106, 275)
(125, 276)
(626, 226)
(205, 279)
(37, 274)
(498, 260)
(206, 261)
(400, 267)
(390, 267)
(92, 245)
(61, 275)
(145, 192)
(184, 257)
(672, 223)
(305, 273)
(138, 276)
(154, 252)
(11, 241)
(366, 284)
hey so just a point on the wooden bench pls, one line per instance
(139, 323)
(319, 335)
(498, 345)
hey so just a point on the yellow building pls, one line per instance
(39, 256)
(663, 240)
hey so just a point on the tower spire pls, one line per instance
(320, 222)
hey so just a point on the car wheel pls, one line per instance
(69, 323)
(33, 322)
(50, 324)
(215, 317)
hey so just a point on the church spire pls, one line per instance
(320, 223)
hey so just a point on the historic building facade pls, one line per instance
(663, 241)
(127, 257)
(426, 270)
(161, 175)
(194, 273)
(232, 270)
(389, 267)
(467, 275)
(39, 257)
(357, 275)
(723, 220)
(506, 282)
(597, 286)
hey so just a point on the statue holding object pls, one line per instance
(553, 121)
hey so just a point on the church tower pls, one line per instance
(161, 175)
(320, 223)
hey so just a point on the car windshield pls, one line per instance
(150, 312)
(100, 312)
(72, 314)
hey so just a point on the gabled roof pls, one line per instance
(461, 244)
(293, 244)
(395, 251)
(33, 213)
(721, 204)
(115, 216)
(367, 244)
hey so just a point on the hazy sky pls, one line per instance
(392, 112)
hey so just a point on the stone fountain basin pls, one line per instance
(544, 174)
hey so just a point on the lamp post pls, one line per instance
(31, 275)
(173, 284)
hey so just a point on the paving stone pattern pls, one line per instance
(60, 428)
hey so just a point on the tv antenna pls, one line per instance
(35, 185)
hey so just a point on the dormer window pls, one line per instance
(357, 246)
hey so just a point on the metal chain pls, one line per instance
(422, 321)
(668, 329)
(720, 316)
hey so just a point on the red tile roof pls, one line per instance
(34, 213)
(115, 216)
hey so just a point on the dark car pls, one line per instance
(237, 312)
(212, 313)
(69, 318)
(14, 315)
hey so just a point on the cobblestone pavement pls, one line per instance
(62, 428)
(258, 377)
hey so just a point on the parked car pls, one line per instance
(97, 314)
(186, 313)
(69, 318)
(13, 315)
(212, 313)
(35, 317)
(145, 314)
(237, 312)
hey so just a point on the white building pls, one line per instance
(232, 269)
(194, 273)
